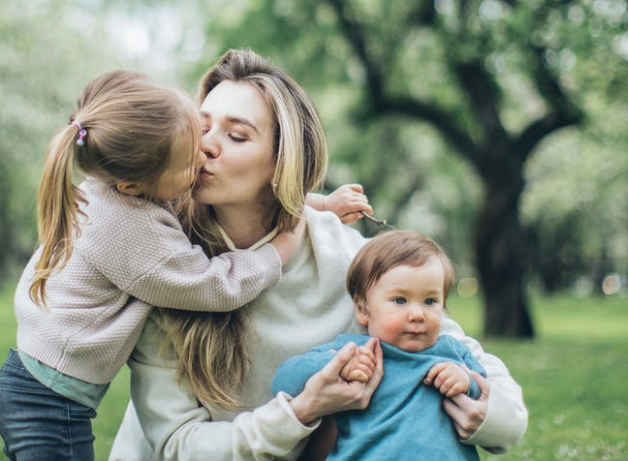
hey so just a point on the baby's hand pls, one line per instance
(449, 378)
(347, 202)
(362, 364)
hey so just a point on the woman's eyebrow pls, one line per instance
(242, 121)
(232, 119)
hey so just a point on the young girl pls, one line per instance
(111, 249)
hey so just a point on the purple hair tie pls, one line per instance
(82, 133)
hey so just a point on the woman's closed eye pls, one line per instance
(236, 137)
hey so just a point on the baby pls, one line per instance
(399, 282)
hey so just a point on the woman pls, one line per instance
(265, 151)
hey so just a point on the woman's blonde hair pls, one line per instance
(211, 346)
(124, 128)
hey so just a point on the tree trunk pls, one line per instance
(502, 257)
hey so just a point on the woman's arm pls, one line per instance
(499, 418)
(179, 428)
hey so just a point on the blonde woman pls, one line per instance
(201, 383)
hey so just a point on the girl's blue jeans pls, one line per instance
(36, 423)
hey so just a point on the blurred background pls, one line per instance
(498, 127)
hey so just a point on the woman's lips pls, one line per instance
(205, 175)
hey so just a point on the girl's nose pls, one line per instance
(200, 159)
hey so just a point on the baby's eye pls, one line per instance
(430, 301)
(400, 300)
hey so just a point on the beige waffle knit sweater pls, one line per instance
(132, 254)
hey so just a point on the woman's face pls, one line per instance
(238, 142)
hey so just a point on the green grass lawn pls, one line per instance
(573, 374)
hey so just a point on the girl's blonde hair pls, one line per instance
(389, 250)
(211, 346)
(130, 127)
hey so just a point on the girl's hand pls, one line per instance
(326, 392)
(287, 243)
(466, 413)
(449, 378)
(347, 202)
(362, 365)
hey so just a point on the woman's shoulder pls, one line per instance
(325, 228)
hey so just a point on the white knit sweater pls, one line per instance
(131, 254)
(309, 306)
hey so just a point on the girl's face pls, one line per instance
(404, 306)
(179, 175)
(238, 131)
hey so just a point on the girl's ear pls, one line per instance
(361, 313)
(129, 188)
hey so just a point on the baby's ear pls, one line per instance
(361, 313)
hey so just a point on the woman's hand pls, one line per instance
(468, 414)
(326, 392)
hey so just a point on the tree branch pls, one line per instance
(355, 36)
(562, 110)
(380, 103)
(483, 96)
(439, 119)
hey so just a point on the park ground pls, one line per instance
(573, 374)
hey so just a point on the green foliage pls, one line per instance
(42, 71)
(574, 177)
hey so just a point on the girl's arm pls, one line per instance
(157, 264)
(347, 202)
(499, 418)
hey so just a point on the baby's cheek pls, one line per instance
(394, 325)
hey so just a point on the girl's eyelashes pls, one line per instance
(400, 300)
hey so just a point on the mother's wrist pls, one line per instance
(302, 407)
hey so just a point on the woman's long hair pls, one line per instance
(211, 346)
(124, 128)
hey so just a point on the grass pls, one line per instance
(573, 374)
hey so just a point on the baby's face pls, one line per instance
(405, 306)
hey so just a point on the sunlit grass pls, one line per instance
(573, 374)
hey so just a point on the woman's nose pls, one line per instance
(209, 145)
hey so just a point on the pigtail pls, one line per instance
(58, 211)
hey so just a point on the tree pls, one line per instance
(42, 72)
(493, 78)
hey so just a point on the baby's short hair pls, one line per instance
(389, 250)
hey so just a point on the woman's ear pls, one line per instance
(361, 312)
(129, 188)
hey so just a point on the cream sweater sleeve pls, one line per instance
(176, 427)
(507, 417)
